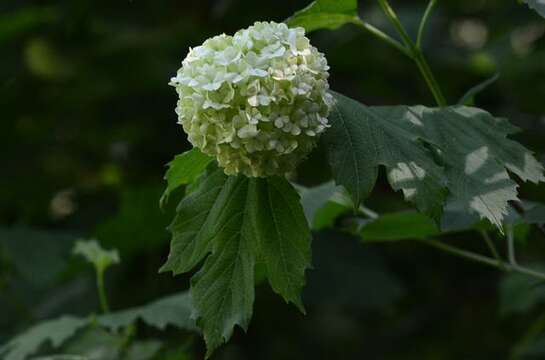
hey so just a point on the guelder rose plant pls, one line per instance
(256, 101)
(254, 105)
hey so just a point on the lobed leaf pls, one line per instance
(172, 310)
(229, 222)
(54, 331)
(454, 157)
(325, 14)
(183, 170)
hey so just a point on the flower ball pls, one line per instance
(257, 101)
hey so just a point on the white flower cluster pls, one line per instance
(257, 101)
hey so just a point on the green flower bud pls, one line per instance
(257, 100)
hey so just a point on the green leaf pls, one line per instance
(95, 343)
(229, 222)
(143, 350)
(172, 310)
(283, 236)
(96, 255)
(399, 226)
(537, 5)
(429, 154)
(55, 331)
(361, 138)
(328, 14)
(469, 96)
(315, 198)
(38, 256)
(183, 170)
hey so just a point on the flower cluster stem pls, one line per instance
(407, 47)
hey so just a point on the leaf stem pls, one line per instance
(423, 23)
(510, 245)
(382, 36)
(416, 53)
(102, 291)
(482, 259)
(492, 247)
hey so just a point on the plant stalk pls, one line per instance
(492, 247)
(415, 50)
(423, 23)
(482, 259)
(379, 34)
(102, 291)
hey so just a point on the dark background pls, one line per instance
(87, 123)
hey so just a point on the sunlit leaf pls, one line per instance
(328, 14)
(458, 155)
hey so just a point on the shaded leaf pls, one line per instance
(537, 5)
(183, 170)
(430, 153)
(283, 236)
(172, 310)
(95, 343)
(361, 138)
(54, 331)
(229, 222)
(143, 350)
(39, 256)
(313, 199)
(328, 14)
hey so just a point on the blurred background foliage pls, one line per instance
(87, 124)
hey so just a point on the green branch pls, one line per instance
(482, 259)
(423, 23)
(415, 51)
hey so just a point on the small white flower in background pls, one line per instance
(95, 254)
(257, 100)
